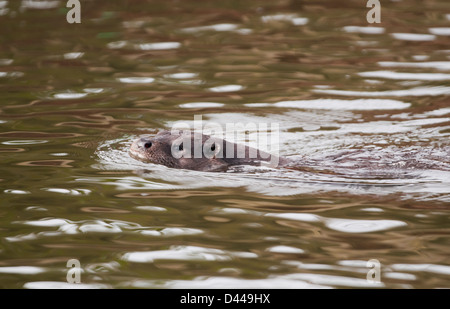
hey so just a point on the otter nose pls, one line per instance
(145, 143)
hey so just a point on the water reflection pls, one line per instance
(438, 65)
(136, 80)
(67, 227)
(365, 30)
(363, 110)
(293, 18)
(22, 270)
(335, 104)
(185, 253)
(217, 27)
(417, 91)
(344, 225)
(40, 5)
(413, 36)
(63, 285)
(408, 76)
(226, 88)
(281, 282)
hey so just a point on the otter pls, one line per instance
(196, 151)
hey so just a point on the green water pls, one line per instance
(366, 111)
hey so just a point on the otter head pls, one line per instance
(177, 150)
(198, 152)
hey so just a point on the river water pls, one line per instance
(363, 108)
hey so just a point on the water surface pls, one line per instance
(364, 109)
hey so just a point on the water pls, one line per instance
(363, 108)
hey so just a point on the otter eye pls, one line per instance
(213, 147)
(148, 145)
(180, 148)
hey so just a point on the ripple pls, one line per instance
(68, 191)
(185, 253)
(181, 75)
(229, 211)
(36, 208)
(406, 76)
(285, 249)
(117, 44)
(47, 222)
(418, 91)
(309, 266)
(297, 216)
(55, 163)
(73, 55)
(335, 104)
(439, 65)
(421, 57)
(244, 31)
(372, 209)
(361, 226)
(131, 183)
(365, 30)
(399, 276)
(257, 104)
(203, 282)
(11, 74)
(158, 46)
(201, 105)
(12, 191)
(151, 208)
(353, 263)
(100, 226)
(217, 27)
(93, 90)
(226, 88)
(335, 280)
(444, 31)
(413, 36)
(343, 225)
(6, 61)
(433, 268)
(40, 5)
(191, 82)
(438, 112)
(424, 122)
(22, 270)
(59, 154)
(63, 285)
(293, 18)
(172, 231)
(136, 80)
(69, 95)
(25, 142)
(68, 227)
